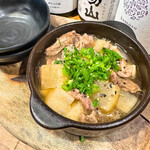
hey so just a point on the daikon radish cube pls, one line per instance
(44, 93)
(132, 69)
(107, 96)
(126, 102)
(99, 44)
(75, 111)
(51, 76)
(59, 100)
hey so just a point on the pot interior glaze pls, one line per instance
(48, 118)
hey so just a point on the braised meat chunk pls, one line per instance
(126, 71)
(65, 40)
(89, 118)
(128, 85)
(113, 77)
(70, 38)
(86, 102)
(85, 41)
(90, 115)
(125, 84)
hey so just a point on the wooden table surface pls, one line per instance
(9, 142)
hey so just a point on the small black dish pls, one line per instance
(16, 56)
(50, 119)
(10, 58)
(22, 24)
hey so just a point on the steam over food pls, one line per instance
(88, 79)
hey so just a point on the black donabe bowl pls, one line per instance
(48, 118)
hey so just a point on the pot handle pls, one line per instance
(45, 116)
(121, 26)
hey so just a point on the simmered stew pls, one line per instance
(88, 79)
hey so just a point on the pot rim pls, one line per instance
(87, 126)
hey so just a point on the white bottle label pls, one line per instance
(136, 14)
(97, 10)
(61, 6)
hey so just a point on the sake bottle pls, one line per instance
(97, 10)
(136, 14)
(62, 7)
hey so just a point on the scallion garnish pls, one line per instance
(58, 62)
(84, 67)
(95, 103)
(59, 42)
(82, 139)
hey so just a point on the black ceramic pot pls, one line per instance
(48, 118)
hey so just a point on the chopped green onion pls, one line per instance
(95, 88)
(59, 42)
(65, 49)
(65, 87)
(84, 67)
(95, 103)
(111, 53)
(58, 62)
(82, 139)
